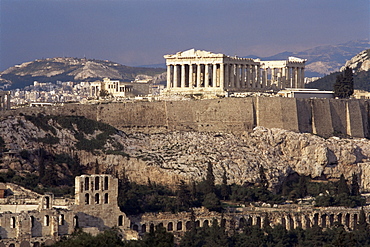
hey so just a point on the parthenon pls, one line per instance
(195, 71)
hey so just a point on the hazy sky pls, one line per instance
(139, 32)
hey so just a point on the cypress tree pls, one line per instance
(355, 188)
(342, 186)
(343, 86)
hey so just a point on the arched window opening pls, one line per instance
(206, 223)
(97, 198)
(151, 228)
(179, 226)
(87, 199)
(170, 226)
(12, 222)
(106, 198)
(46, 220)
(143, 228)
(32, 218)
(97, 183)
(75, 221)
(135, 227)
(81, 186)
(87, 183)
(188, 225)
(105, 183)
(197, 223)
(61, 219)
(120, 220)
(47, 202)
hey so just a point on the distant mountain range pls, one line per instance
(321, 60)
(74, 69)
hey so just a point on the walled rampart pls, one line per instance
(324, 117)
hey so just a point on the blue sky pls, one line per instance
(139, 32)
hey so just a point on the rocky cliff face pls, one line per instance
(168, 158)
(360, 62)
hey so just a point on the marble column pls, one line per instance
(175, 76)
(237, 75)
(232, 76)
(198, 75)
(258, 76)
(183, 76)
(214, 75)
(289, 79)
(302, 78)
(242, 80)
(226, 76)
(298, 77)
(191, 76)
(253, 76)
(222, 76)
(169, 77)
(264, 78)
(248, 72)
(206, 76)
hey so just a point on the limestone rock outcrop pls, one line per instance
(360, 62)
(167, 158)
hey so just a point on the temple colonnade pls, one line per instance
(201, 70)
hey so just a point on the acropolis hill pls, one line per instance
(169, 141)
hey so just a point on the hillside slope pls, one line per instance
(72, 69)
(69, 144)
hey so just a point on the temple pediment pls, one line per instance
(194, 53)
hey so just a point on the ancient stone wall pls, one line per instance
(324, 117)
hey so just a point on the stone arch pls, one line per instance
(188, 225)
(87, 183)
(12, 222)
(179, 226)
(283, 222)
(11, 245)
(143, 228)
(135, 227)
(46, 220)
(87, 199)
(316, 219)
(160, 225)
(46, 202)
(242, 223)
(331, 220)
(258, 222)
(223, 222)
(197, 223)
(206, 223)
(75, 221)
(120, 220)
(36, 244)
(106, 198)
(355, 221)
(339, 218)
(308, 221)
(106, 185)
(151, 227)
(290, 222)
(32, 219)
(347, 220)
(61, 219)
(97, 198)
(97, 182)
(170, 226)
(323, 221)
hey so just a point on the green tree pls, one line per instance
(210, 180)
(343, 86)
(225, 189)
(183, 199)
(355, 187)
(342, 186)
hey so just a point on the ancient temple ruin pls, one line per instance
(202, 72)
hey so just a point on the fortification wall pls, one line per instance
(324, 117)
